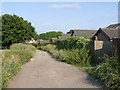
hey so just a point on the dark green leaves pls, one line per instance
(15, 30)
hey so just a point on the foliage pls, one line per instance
(108, 73)
(35, 44)
(70, 32)
(13, 59)
(15, 30)
(72, 43)
(78, 57)
(49, 35)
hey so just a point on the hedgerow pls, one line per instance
(73, 43)
(73, 50)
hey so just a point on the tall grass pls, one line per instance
(73, 56)
(13, 59)
(107, 73)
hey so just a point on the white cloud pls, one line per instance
(63, 6)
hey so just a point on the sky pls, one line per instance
(63, 16)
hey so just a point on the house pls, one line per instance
(53, 40)
(114, 26)
(106, 34)
(32, 40)
(63, 36)
(44, 42)
(38, 40)
(26, 41)
(82, 33)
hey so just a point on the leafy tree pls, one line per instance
(15, 30)
(49, 35)
(70, 32)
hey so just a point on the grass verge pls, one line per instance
(13, 59)
(107, 73)
(76, 57)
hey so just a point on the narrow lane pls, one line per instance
(45, 72)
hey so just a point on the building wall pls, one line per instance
(101, 37)
(102, 47)
(116, 45)
(73, 34)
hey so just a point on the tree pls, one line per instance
(49, 35)
(70, 32)
(15, 30)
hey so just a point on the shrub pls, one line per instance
(79, 57)
(35, 44)
(13, 60)
(72, 43)
(108, 73)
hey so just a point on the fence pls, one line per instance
(116, 45)
(102, 47)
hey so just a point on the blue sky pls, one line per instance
(63, 16)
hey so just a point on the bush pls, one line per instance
(78, 57)
(14, 59)
(108, 73)
(74, 56)
(35, 44)
(72, 43)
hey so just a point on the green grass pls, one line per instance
(0, 69)
(13, 59)
(76, 57)
(107, 73)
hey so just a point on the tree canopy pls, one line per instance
(70, 32)
(15, 30)
(49, 35)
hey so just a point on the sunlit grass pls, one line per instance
(13, 59)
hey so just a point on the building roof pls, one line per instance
(38, 40)
(82, 33)
(114, 25)
(44, 41)
(26, 41)
(63, 36)
(109, 32)
(54, 39)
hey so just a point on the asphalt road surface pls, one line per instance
(44, 71)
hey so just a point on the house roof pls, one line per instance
(113, 25)
(54, 39)
(44, 41)
(109, 32)
(82, 33)
(26, 41)
(63, 36)
(38, 40)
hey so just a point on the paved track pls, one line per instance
(45, 72)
